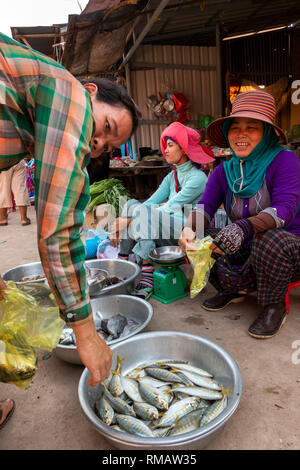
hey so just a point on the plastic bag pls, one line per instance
(106, 251)
(27, 322)
(202, 262)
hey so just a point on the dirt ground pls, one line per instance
(48, 414)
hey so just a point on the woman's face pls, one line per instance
(113, 124)
(244, 135)
(174, 153)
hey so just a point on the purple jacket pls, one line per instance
(283, 184)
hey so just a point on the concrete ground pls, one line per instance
(48, 414)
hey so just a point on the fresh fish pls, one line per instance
(66, 337)
(161, 432)
(205, 382)
(129, 328)
(131, 388)
(213, 411)
(120, 406)
(145, 410)
(154, 396)
(187, 423)
(152, 382)
(105, 410)
(190, 368)
(115, 385)
(177, 410)
(133, 425)
(200, 392)
(163, 374)
(114, 326)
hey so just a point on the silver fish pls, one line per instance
(213, 411)
(145, 410)
(133, 425)
(120, 406)
(153, 396)
(105, 410)
(187, 423)
(152, 382)
(190, 368)
(200, 392)
(177, 410)
(163, 374)
(131, 388)
(205, 382)
(115, 385)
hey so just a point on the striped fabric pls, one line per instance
(46, 113)
(252, 104)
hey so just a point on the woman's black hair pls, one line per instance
(116, 95)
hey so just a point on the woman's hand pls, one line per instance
(215, 249)
(2, 287)
(93, 352)
(186, 240)
(119, 225)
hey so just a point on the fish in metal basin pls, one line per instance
(115, 385)
(133, 425)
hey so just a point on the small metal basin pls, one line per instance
(167, 255)
(25, 270)
(107, 306)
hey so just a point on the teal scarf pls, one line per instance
(245, 176)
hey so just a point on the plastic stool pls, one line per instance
(292, 285)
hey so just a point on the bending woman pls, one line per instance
(153, 223)
(260, 189)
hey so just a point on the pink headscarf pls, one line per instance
(189, 140)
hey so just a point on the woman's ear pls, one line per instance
(91, 88)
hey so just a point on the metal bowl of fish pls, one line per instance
(167, 255)
(31, 272)
(120, 277)
(116, 318)
(167, 390)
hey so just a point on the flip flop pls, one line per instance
(28, 222)
(3, 223)
(9, 414)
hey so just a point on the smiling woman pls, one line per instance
(260, 189)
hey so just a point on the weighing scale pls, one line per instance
(169, 281)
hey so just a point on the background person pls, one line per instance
(260, 189)
(151, 225)
(14, 181)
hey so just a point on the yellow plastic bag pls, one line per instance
(202, 262)
(27, 323)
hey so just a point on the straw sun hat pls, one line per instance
(251, 104)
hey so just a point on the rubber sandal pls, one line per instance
(3, 223)
(28, 222)
(9, 414)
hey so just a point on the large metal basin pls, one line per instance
(130, 306)
(125, 270)
(161, 345)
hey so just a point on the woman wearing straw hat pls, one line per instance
(260, 189)
(160, 219)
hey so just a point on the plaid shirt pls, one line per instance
(46, 112)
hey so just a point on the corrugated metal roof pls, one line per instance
(189, 22)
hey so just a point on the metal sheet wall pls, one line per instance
(191, 77)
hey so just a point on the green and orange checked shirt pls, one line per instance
(46, 113)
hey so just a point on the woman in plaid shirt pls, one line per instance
(46, 113)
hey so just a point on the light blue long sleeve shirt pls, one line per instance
(192, 182)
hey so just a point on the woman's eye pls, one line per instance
(107, 125)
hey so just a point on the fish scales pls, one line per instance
(163, 374)
(133, 425)
(177, 410)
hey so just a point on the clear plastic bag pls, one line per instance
(201, 262)
(27, 323)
